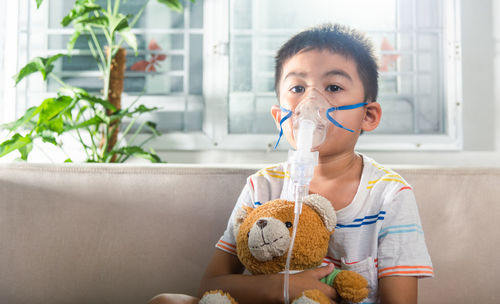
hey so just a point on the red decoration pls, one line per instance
(150, 66)
(387, 60)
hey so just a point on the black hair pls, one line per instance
(337, 39)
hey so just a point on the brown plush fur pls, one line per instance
(317, 296)
(311, 244)
(309, 250)
(350, 287)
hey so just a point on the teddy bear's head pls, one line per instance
(263, 234)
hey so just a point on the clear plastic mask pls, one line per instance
(313, 108)
(316, 108)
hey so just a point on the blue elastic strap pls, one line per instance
(288, 115)
(348, 107)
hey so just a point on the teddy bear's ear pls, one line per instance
(324, 208)
(239, 218)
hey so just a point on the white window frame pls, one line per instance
(215, 135)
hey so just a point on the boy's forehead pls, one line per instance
(319, 62)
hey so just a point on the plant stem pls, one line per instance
(83, 143)
(116, 8)
(94, 146)
(98, 46)
(134, 21)
(126, 130)
(94, 54)
(137, 132)
(59, 80)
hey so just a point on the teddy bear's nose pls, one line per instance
(262, 223)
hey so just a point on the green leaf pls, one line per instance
(139, 152)
(100, 21)
(37, 64)
(126, 113)
(117, 23)
(50, 118)
(174, 5)
(73, 39)
(28, 116)
(55, 125)
(52, 107)
(25, 151)
(68, 160)
(105, 118)
(89, 122)
(81, 94)
(152, 126)
(48, 137)
(81, 9)
(14, 143)
(130, 38)
(38, 3)
(96, 100)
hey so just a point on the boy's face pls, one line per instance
(336, 78)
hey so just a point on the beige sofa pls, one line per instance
(121, 234)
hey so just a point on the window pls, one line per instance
(417, 48)
(216, 85)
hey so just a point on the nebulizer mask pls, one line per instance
(311, 119)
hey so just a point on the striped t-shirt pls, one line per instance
(378, 234)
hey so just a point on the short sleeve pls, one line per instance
(227, 242)
(401, 244)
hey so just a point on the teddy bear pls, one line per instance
(263, 236)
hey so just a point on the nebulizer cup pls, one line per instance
(310, 126)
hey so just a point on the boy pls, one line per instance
(378, 233)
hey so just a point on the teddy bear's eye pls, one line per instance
(288, 224)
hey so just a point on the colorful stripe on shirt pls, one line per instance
(387, 178)
(271, 172)
(400, 229)
(227, 247)
(367, 220)
(338, 263)
(404, 270)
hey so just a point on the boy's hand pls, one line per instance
(310, 279)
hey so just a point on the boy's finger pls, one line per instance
(322, 272)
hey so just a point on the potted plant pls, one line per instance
(94, 119)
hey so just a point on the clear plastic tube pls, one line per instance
(300, 191)
(302, 163)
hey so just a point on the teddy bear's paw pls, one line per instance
(351, 286)
(217, 297)
(312, 296)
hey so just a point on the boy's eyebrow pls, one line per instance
(298, 74)
(336, 72)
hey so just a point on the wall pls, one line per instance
(481, 99)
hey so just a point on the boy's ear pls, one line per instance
(276, 113)
(372, 116)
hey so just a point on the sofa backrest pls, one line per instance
(122, 234)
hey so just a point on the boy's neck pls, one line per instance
(333, 167)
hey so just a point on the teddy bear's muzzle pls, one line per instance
(268, 238)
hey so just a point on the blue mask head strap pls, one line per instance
(348, 107)
(332, 109)
(288, 115)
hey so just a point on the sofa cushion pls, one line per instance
(121, 234)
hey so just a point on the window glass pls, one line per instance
(407, 37)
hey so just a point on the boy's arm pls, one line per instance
(398, 289)
(224, 272)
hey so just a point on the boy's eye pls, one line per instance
(298, 89)
(333, 88)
